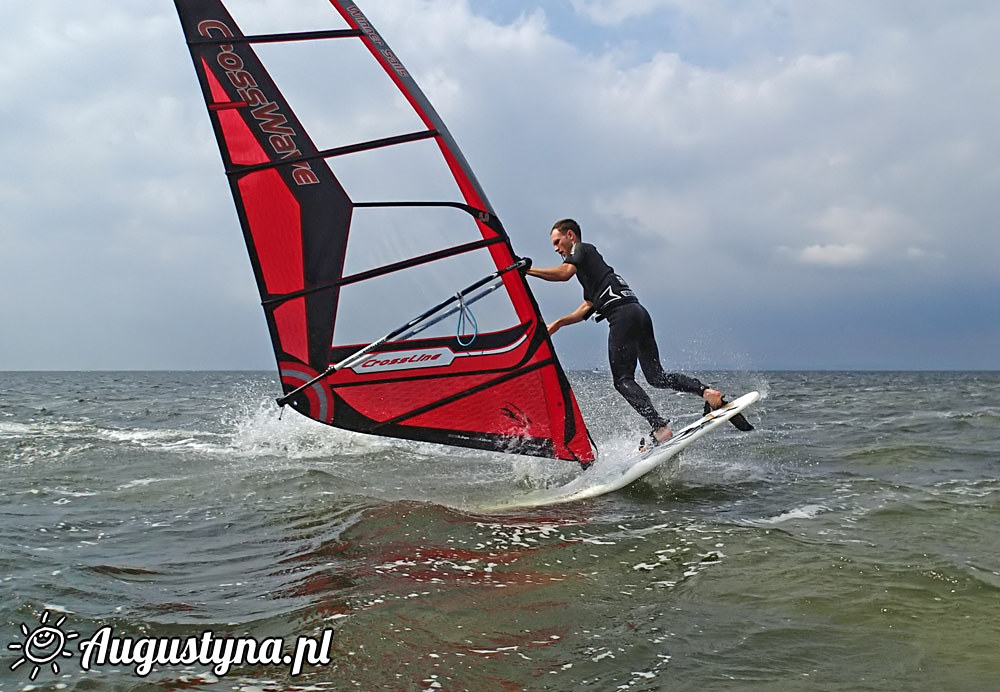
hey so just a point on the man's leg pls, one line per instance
(649, 359)
(623, 355)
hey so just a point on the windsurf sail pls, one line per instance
(353, 238)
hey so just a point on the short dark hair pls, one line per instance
(567, 225)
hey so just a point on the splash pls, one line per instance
(259, 429)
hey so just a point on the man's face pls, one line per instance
(562, 243)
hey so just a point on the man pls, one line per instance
(630, 339)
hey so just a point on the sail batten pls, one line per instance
(337, 151)
(278, 38)
(336, 265)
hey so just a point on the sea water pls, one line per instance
(849, 543)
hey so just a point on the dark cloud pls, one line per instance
(786, 184)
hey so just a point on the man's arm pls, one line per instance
(564, 272)
(578, 315)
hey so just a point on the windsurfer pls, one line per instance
(630, 339)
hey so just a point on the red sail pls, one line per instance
(336, 268)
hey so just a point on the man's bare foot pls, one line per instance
(713, 397)
(663, 434)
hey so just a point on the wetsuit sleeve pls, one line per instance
(577, 256)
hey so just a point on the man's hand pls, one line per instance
(553, 327)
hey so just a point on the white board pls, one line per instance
(608, 475)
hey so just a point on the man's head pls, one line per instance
(565, 234)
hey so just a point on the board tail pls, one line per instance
(739, 421)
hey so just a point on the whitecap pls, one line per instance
(803, 512)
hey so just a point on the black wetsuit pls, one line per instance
(630, 338)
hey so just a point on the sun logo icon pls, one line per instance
(43, 645)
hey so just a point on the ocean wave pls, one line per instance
(810, 511)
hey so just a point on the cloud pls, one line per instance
(832, 255)
(702, 144)
(856, 237)
(612, 12)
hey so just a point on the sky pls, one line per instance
(787, 185)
